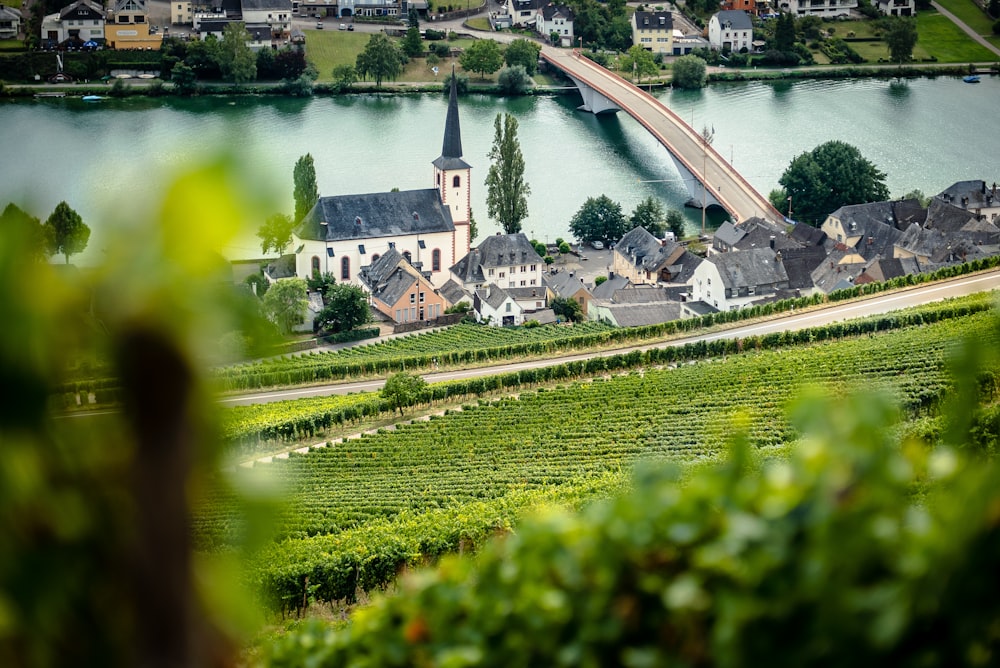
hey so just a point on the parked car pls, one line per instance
(350, 26)
(343, 26)
(319, 25)
(598, 245)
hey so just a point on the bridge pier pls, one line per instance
(593, 101)
(700, 195)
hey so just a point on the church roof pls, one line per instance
(376, 215)
(451, 148)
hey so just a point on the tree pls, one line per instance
(413, 45)
(402, 390)
(66, 233)
(184, 78)
(285, 302)
(507, 192)
(640, 62)
(276, 233)
(305, 192)
(344, 76)
(523, 52)
(918, 195)
(649, 214)
(901, 37)
(599, 218)
(599, 280)
(473, 228)
(15, 222)
(482, 56)
(321, 283)
(514, 80)
(413, 18)
(675, 223)
(568, 309)
(784, 32)
(236, 59)
(380, 59)
(346, 308)
(830, 176)
(689, 72)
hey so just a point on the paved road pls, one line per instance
(735, 194)
(792, 322)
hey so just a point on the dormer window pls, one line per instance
(416, 216)
(357, 220)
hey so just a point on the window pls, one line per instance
(345, 268)
(315, 266)
(456, 182)
(512, 270)
(421, 298)
(361, 249)
(398, 315)
(523, 269)
(502, 274)
(436, 260)
(439, 178)
(523, 283)
(532, 282)
(490, 272)
(511, 284)
(420, 242)
(534, 267)
(508, 307)
(413, 298)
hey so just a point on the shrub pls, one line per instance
(514, 80)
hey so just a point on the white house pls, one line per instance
(275, 14)
(820, 8)
(731, 30)
(429, 227)
(524, 13)
(897, 7)
(10, 22)
(81, 21)
(730, 281)
(556, 19)
(506, 260)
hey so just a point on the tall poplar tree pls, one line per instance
(507, 192)
(306, 193)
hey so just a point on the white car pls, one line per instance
(598, 245)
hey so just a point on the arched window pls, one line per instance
(315, 266)
(436, 260)
(345, 268)
(456, 181)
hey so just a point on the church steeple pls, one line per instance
(452, 175)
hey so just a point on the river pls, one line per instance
(105, 157)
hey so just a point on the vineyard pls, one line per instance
(477, 457)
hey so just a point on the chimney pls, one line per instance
(489, 290)
(772, 242)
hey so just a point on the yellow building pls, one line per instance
(654, 31)
(127, 27)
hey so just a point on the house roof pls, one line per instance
(653, 20)
(544, 316)
(736, 19)
(637, 315)
(283, 267)
(451, 148)
(565, 284)
(799, 264)
(641, 249)
(758, 233)
(756, 267)
(640, 294)
(259, 33)
(376, 215)
(82, 9)
(808, 235)
(494, 296)
(452, 292)
(10, 13)
(833, 274)
(857, 218)
(606, 290)
(905, 212)
(973, 194)
(277, 5)
(527, 5)
(552, 10)
(729, 234)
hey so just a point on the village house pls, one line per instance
(752, 233)
(567, 285)
(80, 22)
(10, 22)
(820, 8)
(555, 19)
(974, 196)
(400, 291)
(510, 307)
(643, 259)
(731, 30)
(626, 305)
(654, 31)
(429, 227)
(730, 281)
(128, 27)
(897, 7)
(506, 260)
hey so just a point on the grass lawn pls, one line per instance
(970, 14)
(945, 41)
(16, 4)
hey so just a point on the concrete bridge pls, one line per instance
(709, 178)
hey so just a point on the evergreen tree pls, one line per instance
(306, 193)
(507, 192)
(784, 32)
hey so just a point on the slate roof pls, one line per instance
(643, 250)
(905, 212)
(494, 295)
(565, 284)
(453, 292)
(753, 267)
(451, 147)
(388, 278)
(651, 20)
(879, 239)
(526, 5)
(259, 33)
(807, 235)
(606, 290)
(977, 193)
(527, 294)
(958, 222)
(884, 269)
(728, 235)
(640, 294)
(799, 264)
(277, 5)
(637, 315)
(376, 215)
(544, 316)
(757, 233)
(283, 267)
(831, 275)
(857, 218)
(737, 19)
(499, 250)
(551, 10)
(83, 9)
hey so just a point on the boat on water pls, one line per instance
(972, 78)
(92, 98)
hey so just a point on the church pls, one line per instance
(428, 227)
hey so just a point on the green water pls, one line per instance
(114, 156)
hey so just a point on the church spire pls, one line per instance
(452, 147)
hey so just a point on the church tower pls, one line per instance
(452, 176)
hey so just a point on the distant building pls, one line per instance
(731, 30)
(10, 22)
(654, 31)
(181, 12)
(400, 290)
(730, 281)
(556, 19)
(643, 259)
(505, 260)
(128, 27)
(80, 22)
(820, 8)
(897, 7)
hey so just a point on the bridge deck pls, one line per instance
(704, 163)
